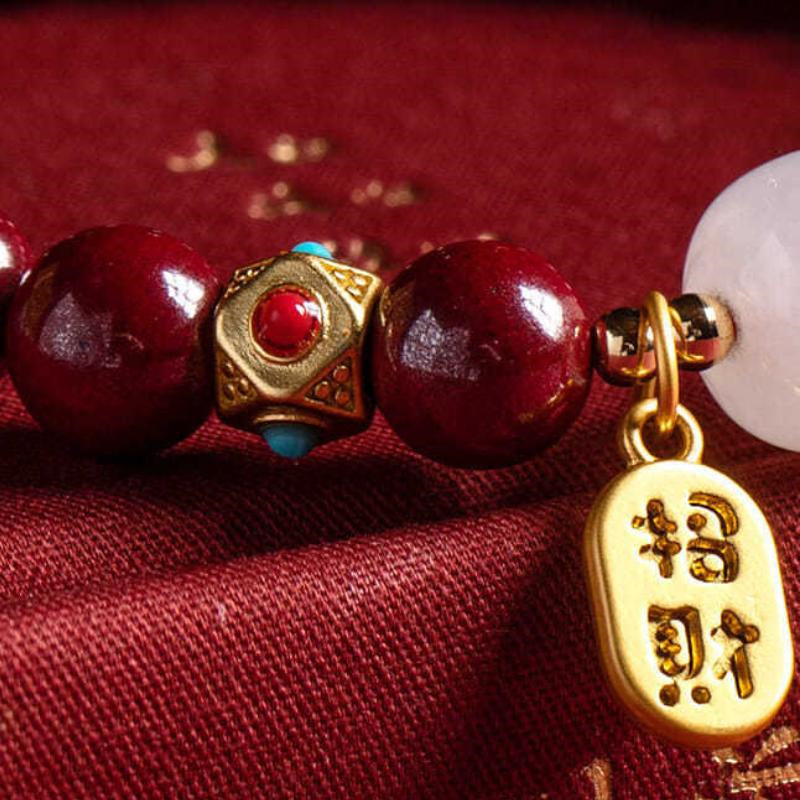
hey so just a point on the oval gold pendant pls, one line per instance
(687, 597)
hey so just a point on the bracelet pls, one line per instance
(479, 355)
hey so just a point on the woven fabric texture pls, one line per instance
(364, 624)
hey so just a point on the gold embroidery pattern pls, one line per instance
(740, 779)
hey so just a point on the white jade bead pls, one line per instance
(745, 251)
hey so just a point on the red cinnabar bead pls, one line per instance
(286, 321)
(15, 259)
(109, 340)
(481, 354)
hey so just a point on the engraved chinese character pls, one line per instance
(663, 548)
(723, 566)
(735, 636)
(667, 640)
(673, 661)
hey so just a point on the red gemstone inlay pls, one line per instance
(286, 321)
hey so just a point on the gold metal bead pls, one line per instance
(707, 328)
(623, 342)
(323, 385)
(623, 347)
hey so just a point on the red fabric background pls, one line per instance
(366, 624)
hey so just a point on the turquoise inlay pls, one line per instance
(312, 248)
(291, 439)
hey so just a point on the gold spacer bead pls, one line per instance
(623, 347)
(707, 328)
(622, 350)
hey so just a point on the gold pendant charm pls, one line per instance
(686, 593)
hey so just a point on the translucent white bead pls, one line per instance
(746, 252)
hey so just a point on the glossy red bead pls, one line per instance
(481, 354)
(286, 321)
(15, 260)
(109, 340)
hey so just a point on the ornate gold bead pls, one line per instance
(320, 383)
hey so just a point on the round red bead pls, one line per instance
(109, 340)
(15, 259)
(286, 321)
(481, 354)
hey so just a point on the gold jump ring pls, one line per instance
(665, 385)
